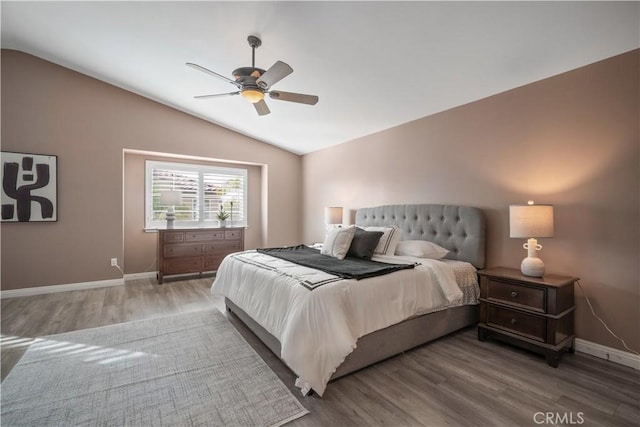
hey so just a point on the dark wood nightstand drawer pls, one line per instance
(521, 323)
(517, 295)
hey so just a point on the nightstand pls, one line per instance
(535, 313)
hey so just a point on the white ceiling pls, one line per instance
(374, 65)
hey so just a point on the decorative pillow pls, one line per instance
(389, 240)
(338, 241)
(421, 249)
(364, 243)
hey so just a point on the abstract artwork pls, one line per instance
(29, 187)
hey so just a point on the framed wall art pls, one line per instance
(29, 187)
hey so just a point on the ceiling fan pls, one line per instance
(254, 83)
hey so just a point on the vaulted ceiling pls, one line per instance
(374, 65)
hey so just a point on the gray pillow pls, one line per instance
(389, 240)
(364, 243)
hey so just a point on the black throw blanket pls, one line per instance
(348, 268)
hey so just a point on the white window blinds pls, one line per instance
(204, 191)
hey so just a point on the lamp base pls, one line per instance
(532, 266)
(171, 216)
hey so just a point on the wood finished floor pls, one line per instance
(455, 381)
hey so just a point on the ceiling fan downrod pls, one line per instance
(254, 42)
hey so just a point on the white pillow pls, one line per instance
(338, 241)
(421, 249)
(389, 240)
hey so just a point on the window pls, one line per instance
(205, 190)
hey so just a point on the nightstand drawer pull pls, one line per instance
(513, 321)
(514, 294)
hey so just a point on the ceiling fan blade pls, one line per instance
(261, 108)
(216, 95)
(213, 73)
(273, 75)
(294, 97)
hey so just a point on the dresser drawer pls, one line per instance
(202, 236)
(173, 236)
(187, 249)
(212, 262)
(233, 234)
(224, 246)
(527, 297)
(528, 325)
(182, 265)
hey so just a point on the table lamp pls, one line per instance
(170, 199)
(531, 221)
(333, 216)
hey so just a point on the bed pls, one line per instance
(361, 331)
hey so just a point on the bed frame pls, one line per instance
(457, 228)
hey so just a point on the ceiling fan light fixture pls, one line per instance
(253, 95)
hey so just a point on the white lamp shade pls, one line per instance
(333, 215)
(531, 221)
(171, 198)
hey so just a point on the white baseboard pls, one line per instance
(25, 292)
(138, 276)
(39, 290)
(603, 352)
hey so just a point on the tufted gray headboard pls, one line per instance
(457, 228)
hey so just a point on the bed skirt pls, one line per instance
(384, 343)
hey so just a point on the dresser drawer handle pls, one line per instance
(513, 321)
(514, 294)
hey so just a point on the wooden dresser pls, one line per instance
(195, 250)
(535, 313)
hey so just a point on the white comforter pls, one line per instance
(318, 328)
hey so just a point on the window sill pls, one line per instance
(191, 227)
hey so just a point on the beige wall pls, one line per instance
(571, 140)
(139, 245)
(48, 109)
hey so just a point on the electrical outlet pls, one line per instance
(114, 262)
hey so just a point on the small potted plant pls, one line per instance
(222, 217)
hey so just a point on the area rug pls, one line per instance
(191, 369)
